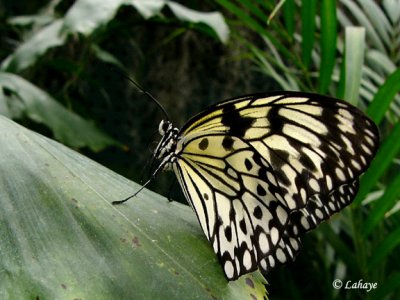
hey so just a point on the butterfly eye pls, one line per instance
(163, 127)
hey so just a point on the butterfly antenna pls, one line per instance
(137, 192)
(144, 92)
(155, 173)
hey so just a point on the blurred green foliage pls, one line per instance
(58, 77)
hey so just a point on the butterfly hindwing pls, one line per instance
(232, 217)
(259, 171)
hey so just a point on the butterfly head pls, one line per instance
(164, 127)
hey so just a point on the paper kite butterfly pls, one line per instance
(261, 170)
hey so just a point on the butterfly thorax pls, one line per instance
(166, 147)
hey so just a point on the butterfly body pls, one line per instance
(261, 170)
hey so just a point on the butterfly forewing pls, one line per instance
(261, 170)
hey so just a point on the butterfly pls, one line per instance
(261, 170)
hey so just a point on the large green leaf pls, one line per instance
(37, 105)
(214, 20)
(85, 16)
(60, 237)
(30, 50)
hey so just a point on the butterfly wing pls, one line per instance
(261, 170)
(240, 225)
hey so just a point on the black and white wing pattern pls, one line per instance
(260, 171)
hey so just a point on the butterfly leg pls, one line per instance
(171, 189)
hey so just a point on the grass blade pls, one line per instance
(328, 43)
(380, 253)
(308, 14)
(354, 53)
(381, 206)
(342, 250)
(387, 287)
(288, 14)
(381, 162)
(385, 95)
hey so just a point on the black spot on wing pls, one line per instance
(307, 163)
(261, 191)
(257, 212)
(228, 233)
(237, 124)
(227, 142)
(248, 164)
(276, 121)
(203, 145)
(278, 159)
(282, 178)
(243, 226)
